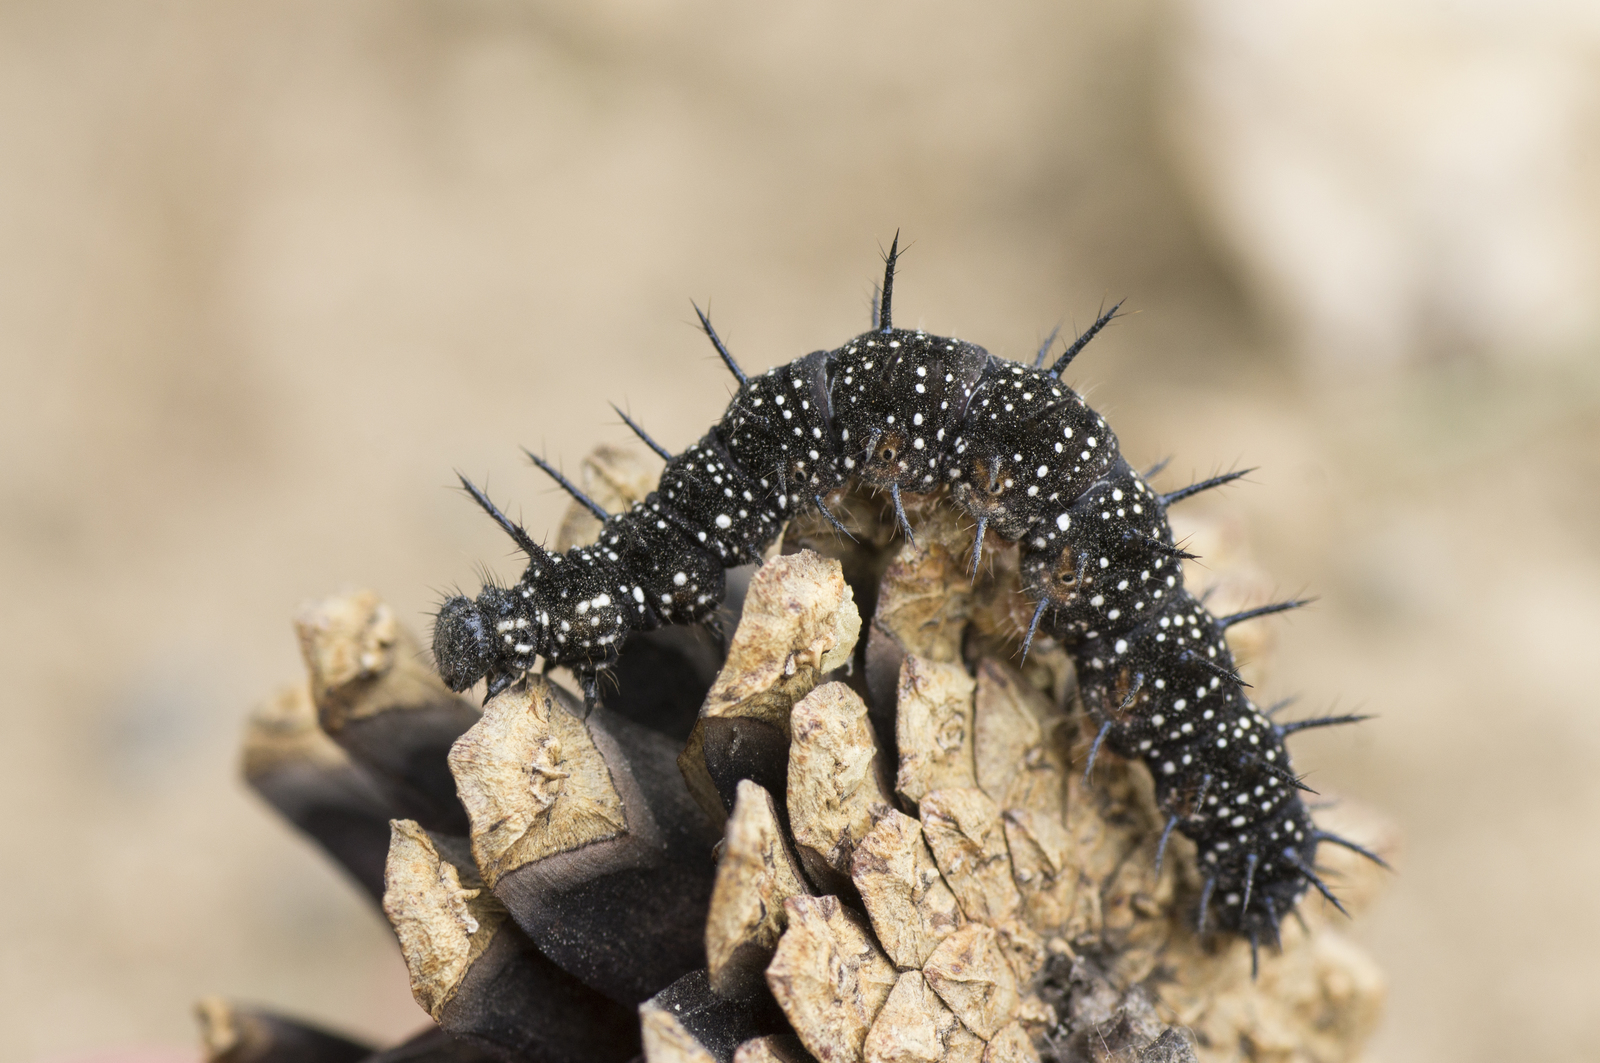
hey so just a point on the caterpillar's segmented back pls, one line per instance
(1024, 455)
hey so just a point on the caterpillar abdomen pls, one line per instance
(1025, 456)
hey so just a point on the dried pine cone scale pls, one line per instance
(586, 833)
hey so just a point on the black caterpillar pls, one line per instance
(1029, 460)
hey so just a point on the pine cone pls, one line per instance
(816, 845)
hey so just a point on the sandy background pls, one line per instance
(269, 272)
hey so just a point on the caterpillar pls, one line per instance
(1025, 456)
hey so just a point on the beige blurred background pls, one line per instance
(269, 272)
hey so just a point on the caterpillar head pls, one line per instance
(464, 644)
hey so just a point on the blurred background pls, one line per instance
(270, 272)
